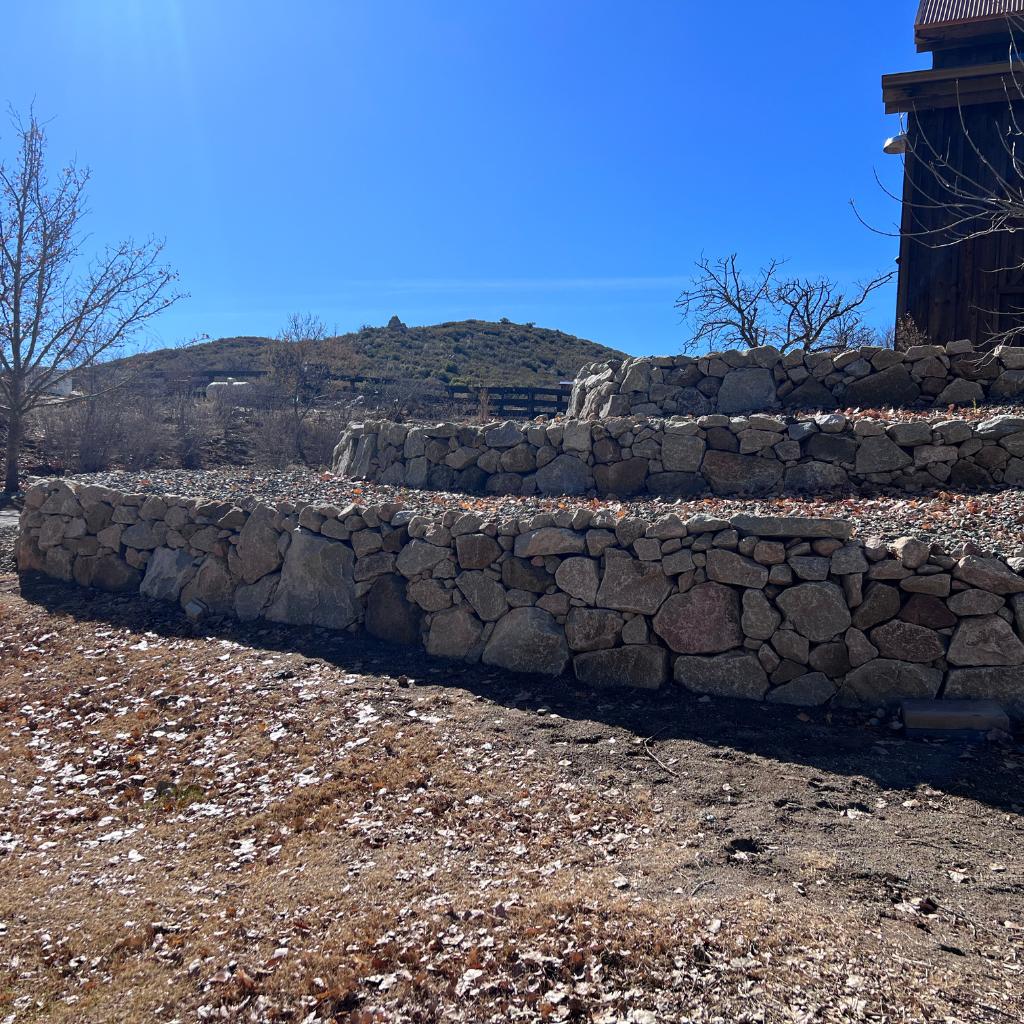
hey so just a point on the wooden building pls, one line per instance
(960, 121)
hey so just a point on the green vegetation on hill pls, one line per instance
(464, 352)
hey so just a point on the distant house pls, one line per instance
(958, 110)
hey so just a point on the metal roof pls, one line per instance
(933, 13)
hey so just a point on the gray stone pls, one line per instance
(793, 526)
(886, 682)
(101, 572)
(256, 554)
(251, 599)
(1005, 685)
(989, 574)
(418, 556)
(145, 535)
(455, 634)
(212, 588)
(167, 572)
(677, 485)
(760, 620)
(809, 567)
(905, 641)
(880, 455)
(747, 390)
(999, 427)
(682, 453)
(811, 394)
(817, 611)
(849, 560)
(792, 646)
(578, 578)
(728, 473)
(528, 640)
(704, 620)
(592, 629)
(859, 649)
(975, 602)
(807, 691)
(892, 387)
(833, 659)
(389, 615)
(986, 640)
(728, 567)
(624, 478)
(927, 610)
(316, 587)
(476, 550)
(881, 602)
(630, 585)
(816, 478)
(730, 675)
(487, 596)
(565, 474)
(831, 448)
(549, 540)
(504, 435)
(639, 667)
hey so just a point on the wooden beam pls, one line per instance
(950, 87)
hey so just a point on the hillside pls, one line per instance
(463, 352)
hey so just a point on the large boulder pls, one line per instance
(729, 675)
(390, 616)
(528, 640)
(456, 634)
(167, 572)
(487, 596)
(747, 390)
(885, 681)
(316, 586)
(565, 474)
(818, 611)
(989, 574)
(682, 453)
(879, 455)
(251, 599)
(256, 554)
(816, 478)
(729, 473)
(704, 620)
(106, 572)
(623, 478)
(578, 578)
(985, 640)
(892, 387)
(907, 642)
(418, 556)
(1005, 685)
(630, 585)
(549, 540)
(592, 629)
(807, 691)
(638, 666)
(211, 590)
(728, 567)
(811, 394)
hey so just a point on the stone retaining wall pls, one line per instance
(764, 380)
(742, 455)
(790, 611)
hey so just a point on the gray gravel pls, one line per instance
(995, 520)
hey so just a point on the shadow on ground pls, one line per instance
(835, 742)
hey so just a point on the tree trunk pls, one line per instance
(13, 453)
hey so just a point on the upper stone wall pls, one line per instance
(765, 380)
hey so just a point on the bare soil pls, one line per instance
(244, 823)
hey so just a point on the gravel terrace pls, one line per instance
(994, 520)
(256, 824)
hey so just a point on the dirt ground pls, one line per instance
(249, 824)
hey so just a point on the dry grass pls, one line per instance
(206, 828)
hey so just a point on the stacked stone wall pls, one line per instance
(755, 454)
(765, 380)
(787, 610)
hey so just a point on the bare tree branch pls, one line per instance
(59, 315)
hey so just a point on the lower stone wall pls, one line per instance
(788, 610)
(740, 455)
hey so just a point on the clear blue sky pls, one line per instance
(557, 161)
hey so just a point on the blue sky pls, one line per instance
(556, 161)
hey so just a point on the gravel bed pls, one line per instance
(8, 535)
(994, 520)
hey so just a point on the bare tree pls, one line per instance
(727, 308)
(303, 362)
(59, 311)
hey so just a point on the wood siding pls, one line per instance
(972, 288)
